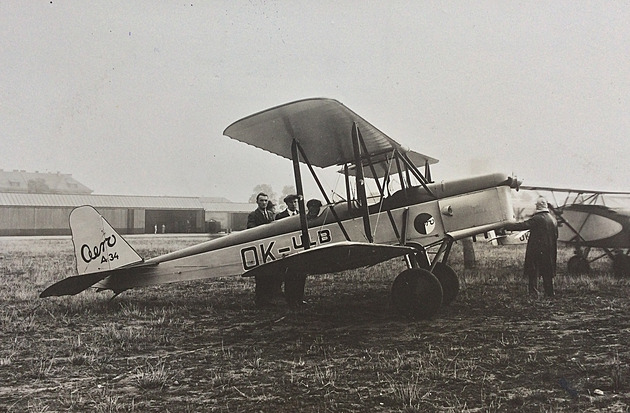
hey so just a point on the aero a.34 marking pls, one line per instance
(254, 255)
(89, 254)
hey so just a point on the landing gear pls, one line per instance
(578, 265)
(419, 291)
(448, 280)
(621, 265)
(417, 294)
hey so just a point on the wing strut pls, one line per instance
(323, 191)
(404, 184)
(295, 156)
(346, 174)
(416, 173)
(380, 188)
(360, 182)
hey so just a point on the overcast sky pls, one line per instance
(133, 97)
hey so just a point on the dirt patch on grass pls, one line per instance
(203, 346)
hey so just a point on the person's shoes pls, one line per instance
(265, 302)
(277, 301)
(298, 304)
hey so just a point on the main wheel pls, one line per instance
(448, 280)
(621, 265)
(416, 294)
(578, 265)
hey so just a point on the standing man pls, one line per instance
(266, 287)
(294, 284)
(542, 247)
(261, 215)
(292, 207)
(290, 287)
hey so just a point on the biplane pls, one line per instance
(418, 222)
(588, 220)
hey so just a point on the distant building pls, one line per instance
(48, 214)
(40, 204)
(40, 183)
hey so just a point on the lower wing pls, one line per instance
(331, 258)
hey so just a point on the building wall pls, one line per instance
(125, 221)
(15, 221)
(34, 221)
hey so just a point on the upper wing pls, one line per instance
(321, 126)
(331, 258)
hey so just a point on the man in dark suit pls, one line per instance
(293, 284)
(266, 287)
(292, 207)
(261, 215)
(542, 247)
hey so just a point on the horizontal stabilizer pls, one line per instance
(331, 258)
(73, 285)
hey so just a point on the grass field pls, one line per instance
(203, 346)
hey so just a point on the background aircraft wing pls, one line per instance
(331, 258)
(570, 190)
(321, 126)
(567, 197)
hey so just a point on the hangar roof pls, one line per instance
(103, 201)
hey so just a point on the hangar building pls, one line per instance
(47, 214)
(25, 210)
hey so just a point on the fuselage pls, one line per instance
(457, 209)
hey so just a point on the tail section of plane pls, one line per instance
(98, 250)
(97, 246)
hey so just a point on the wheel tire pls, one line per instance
(448, 280)
(416, 294)
(578, 265)
(621, 265)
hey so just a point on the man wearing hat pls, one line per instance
(292, 207)
(542, 247)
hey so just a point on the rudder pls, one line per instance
(97, 246)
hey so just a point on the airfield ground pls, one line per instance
(203, 346)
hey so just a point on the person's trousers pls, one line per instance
(294, 289)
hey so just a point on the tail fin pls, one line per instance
(97, 246)
(98, 249)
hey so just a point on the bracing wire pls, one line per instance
(380, 204)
